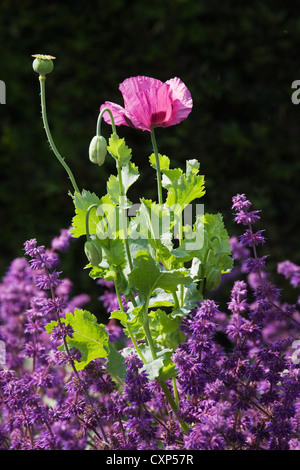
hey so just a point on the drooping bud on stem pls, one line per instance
(98, 145)
(98, 150)
(92, 247)
(93, 251)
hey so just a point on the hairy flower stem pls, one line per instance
(87, 221)
(42, 80)
(148, 333)
(121, 187)
(184, 427)
(99, 121)
(128, 326)
(119, 170)
(163, 385)
(122, 197)
(159, 186)
(176, 395)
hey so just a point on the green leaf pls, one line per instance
(134, 318)
(89, 337)
(115, 253)
(218, 243)
(164, 162)
(129, 174)
(191, 297)
(152, 227)
(108, 226)
(98, 272)
(119, 150)
(162, 323)
(213, 278)
(82, 202)
(161, 367)
(92, 340)
(213, 258)
(148, 276)
(115, 362)
(119, 315)
(161, 299)
(183, 188)
(111, 234)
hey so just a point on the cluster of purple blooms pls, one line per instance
(238, 394)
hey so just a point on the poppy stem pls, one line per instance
(42, 79)
(88, 236)
(99, 121)
(159, 186)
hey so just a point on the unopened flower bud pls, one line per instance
(98, 150)
(93, 252)
(43, 64)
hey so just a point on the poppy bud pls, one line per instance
(98, 150)
(93, 252)
(43, 64)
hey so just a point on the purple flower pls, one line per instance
(31, 248)
(241, 206)
(62, 242)
(239, 202)
(254, 265)
(150, 103)
(250, 239)
(246, 218)
(239, 251)
(290, 271)
(48, 281)
(136, 389)
(238, 303)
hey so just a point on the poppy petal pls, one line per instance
(182, 101)
(117, 111)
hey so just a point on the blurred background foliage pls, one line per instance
(238, 59)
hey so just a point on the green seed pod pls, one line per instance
(43, 64)
(93, 252)
(98, 150)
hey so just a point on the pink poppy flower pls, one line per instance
(150, 103)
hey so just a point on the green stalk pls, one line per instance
(176, 301)
(99, 121)
(164, 387)
(87, 220)
(173, 404)
(203, 270)
(159, 186)
(42, 80)
(175, 390)
(148, 332)
(128, 326)
(119, 170)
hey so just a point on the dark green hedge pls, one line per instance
(237, 58)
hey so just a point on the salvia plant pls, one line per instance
(169, 369)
